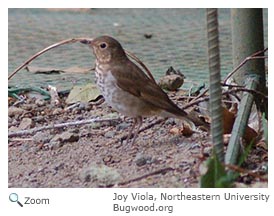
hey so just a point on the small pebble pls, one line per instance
(100, 175)
(57, 111)
(122, 126)
(40, 102)
(42, 137)
(171, 82)
(60, 139)
(110, 134)
(15, 111)
(141, 159)
(26, 123)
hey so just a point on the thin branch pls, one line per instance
(252, 91)
(231, 85)
(253, 56)
(73, 40)
(248, 172)
(160, 171)
(61, 125)
(158, 121)
(199, 100)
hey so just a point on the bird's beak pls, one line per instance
(86, 41)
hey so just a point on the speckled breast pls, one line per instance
(120, 100)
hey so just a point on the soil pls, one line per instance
(96, 155)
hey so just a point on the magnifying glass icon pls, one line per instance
(14, 198)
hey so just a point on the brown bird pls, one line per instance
(126, 88)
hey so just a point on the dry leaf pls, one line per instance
(46, 70)
(262, 144)
(186, 130)
(174, 131)
(228, 119)
(250, 134)
(83, 93)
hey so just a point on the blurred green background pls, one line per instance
(178, 39)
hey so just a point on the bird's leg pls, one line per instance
(131, 130)
(138, 120)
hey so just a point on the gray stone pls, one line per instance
(122, 126)
(40, 102)
(61, 139)
(42, 137)
(15, 111)
(66, 136)
(171, 82)
(100, 175)
(141, 159)
(110, 134)
(57, 111)
(26, 123)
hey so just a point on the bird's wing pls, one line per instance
(133, 80)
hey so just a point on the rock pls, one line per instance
(122, 126)
(100, 175)
(42, 137)
(28, 106)
(13, 129)
(171, 82)
(170, 121)
(95, 125)
(60, 139)
(38, 119)
(40, 102)
(57, 111)
(26, 123)
(55, 144)
(15, 111)
(141, 159)
(171, 71)
(66, 136)
(110, 134)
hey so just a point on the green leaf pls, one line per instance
(216, 176)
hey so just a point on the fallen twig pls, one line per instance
(73, 40)
(252, 91)
(61, 125)
(160, 171)
(255, 55)
(198, 100)
(248, 172)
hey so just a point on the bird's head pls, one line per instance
(106, 49)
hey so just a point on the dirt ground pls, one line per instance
(94, 155)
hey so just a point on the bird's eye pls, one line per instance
(103, 45)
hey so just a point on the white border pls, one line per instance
(99, 201)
